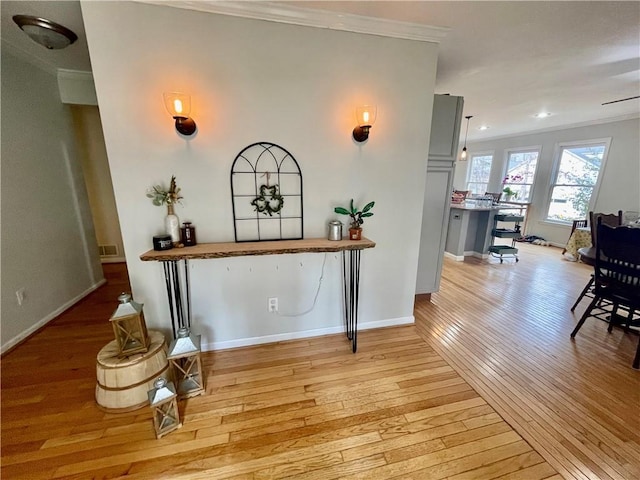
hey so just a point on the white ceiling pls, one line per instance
(509, 60)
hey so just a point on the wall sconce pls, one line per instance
(463, 155)
(366, 117)
(179, 106)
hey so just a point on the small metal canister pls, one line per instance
(335, 230)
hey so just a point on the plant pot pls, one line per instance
(355, 234)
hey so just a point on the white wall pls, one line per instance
(48, 242)
(620, 184)
(253, 80)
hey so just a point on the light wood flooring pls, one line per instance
(486, 385)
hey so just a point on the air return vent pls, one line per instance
(108, 250)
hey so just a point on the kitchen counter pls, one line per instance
(469, 232)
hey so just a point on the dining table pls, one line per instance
(580, 238)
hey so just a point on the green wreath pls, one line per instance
(269, 201)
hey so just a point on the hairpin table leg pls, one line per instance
(174, 294)
(351, 286)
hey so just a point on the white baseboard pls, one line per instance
(457, 258)
(280, 337)
(20, 337)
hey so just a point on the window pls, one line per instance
(577, 169)
(478, 174)
(521, 171)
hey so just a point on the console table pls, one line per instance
(180, 305)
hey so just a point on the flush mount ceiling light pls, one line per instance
(483, 127)
(45, 32)
(542, 115)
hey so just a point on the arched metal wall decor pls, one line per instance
(266, 194)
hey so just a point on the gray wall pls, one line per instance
(620, 184)
(48, 243)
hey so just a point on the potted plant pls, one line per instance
(357, 218)
(509, 193)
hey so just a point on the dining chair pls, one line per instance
(588, 254)
(576, 224)
(496, 196)
(616, 274)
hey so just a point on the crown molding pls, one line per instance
(28, 57)
(588, 123)
(312, 18)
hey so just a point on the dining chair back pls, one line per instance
(496, 196)
(611, 219)
(617, 273)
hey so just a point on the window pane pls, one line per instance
(521, 171)
(578, 169)
(522, 167)
(580, 166)
(569, 203)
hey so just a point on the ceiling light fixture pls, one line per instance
(463, 155)
(483, 127)
(44, 32)
(542, 115)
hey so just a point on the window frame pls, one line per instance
(507, 155)
(557, 156)
(488, 153)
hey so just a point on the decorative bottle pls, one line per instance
(172, 224)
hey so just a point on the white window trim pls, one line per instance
(556, 166)
(491, 153)
(509, 151)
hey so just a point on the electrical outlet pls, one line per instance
(20, 295)
(273, 304)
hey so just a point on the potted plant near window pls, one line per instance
(357, 218)
(509, 193)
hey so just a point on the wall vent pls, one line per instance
(108, 250)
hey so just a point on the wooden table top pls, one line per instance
(240, 249)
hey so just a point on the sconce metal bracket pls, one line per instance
(185, 125)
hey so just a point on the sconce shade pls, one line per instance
(366, 117)
(179, 107)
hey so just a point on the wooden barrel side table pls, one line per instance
(123, 382)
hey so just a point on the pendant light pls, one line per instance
(463, 155)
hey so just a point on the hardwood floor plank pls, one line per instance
(485, 385)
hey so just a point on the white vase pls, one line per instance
(172, 225)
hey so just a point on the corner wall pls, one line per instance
(48, 241)
(250, 81)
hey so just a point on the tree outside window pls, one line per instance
(577, 171)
